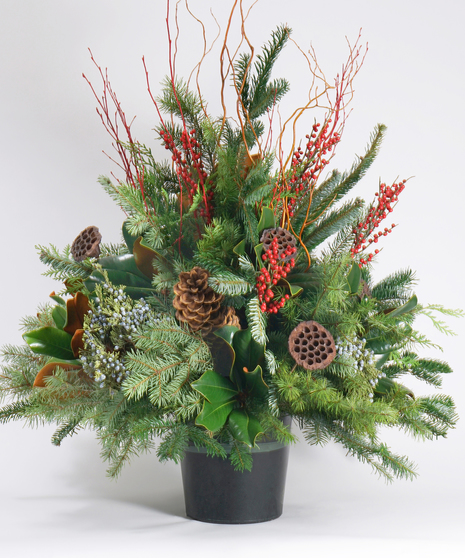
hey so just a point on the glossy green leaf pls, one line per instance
(50, 341)
(239, 249)
(128, 237)
(382, 360)
(379, 345)
(144, 256)
(249, 353)
(227, 333)
(122, 270)
(307, 280)
(267, 220)
(407, 307)
(258, 249)
(353, 278)
(244, 427)
(223, 354)
(58, 300)
(254, 383)
(215, 415)
(386, 386)
(214, 387)
(294, 290)
(59, 316)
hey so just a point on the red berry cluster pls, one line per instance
(379, 210)
(269, 276)
(189, 167)
(306, 166)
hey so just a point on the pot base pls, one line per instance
(215, 493)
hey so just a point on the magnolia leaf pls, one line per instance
(59, 316)
(267, 220)
(258, 253)
(386, 386)
(223, 354)
(239, 249)
(227, 333)
(58, 299)
(215, 388)
(50, 341)
(254, 383)
(122, 270)
(244, 427)
(249, 353)
(214, 415)
(382, 360)
(407, 307)
(353, 278)
(305, 280)
(49, 370)
(144, 257)
(128, 237)
(294, 290)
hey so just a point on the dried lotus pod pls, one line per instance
(86, 244)
(197, 304)
(284, 238)
(311, 345)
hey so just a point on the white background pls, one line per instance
(58, 502)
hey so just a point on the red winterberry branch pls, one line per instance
(364, 233)
(278, 267)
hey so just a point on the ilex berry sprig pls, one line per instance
(383, 204)
(277, 268)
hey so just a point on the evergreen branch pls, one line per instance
(257, 321)
(69, 428)
(337, 187)
(63, 265)
(241, 457)
(229, 284)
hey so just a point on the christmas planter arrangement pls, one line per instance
(240, 298)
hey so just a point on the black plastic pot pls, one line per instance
(215, 493)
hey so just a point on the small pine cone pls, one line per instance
(197, 304)
(285, 240)
(312, 346)
(86, 244)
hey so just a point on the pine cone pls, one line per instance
(230, 317)
(196, 302)
(86, 244)
(285, 241)
(311, 345)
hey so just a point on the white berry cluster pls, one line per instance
(109, 333)
(355, 351)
